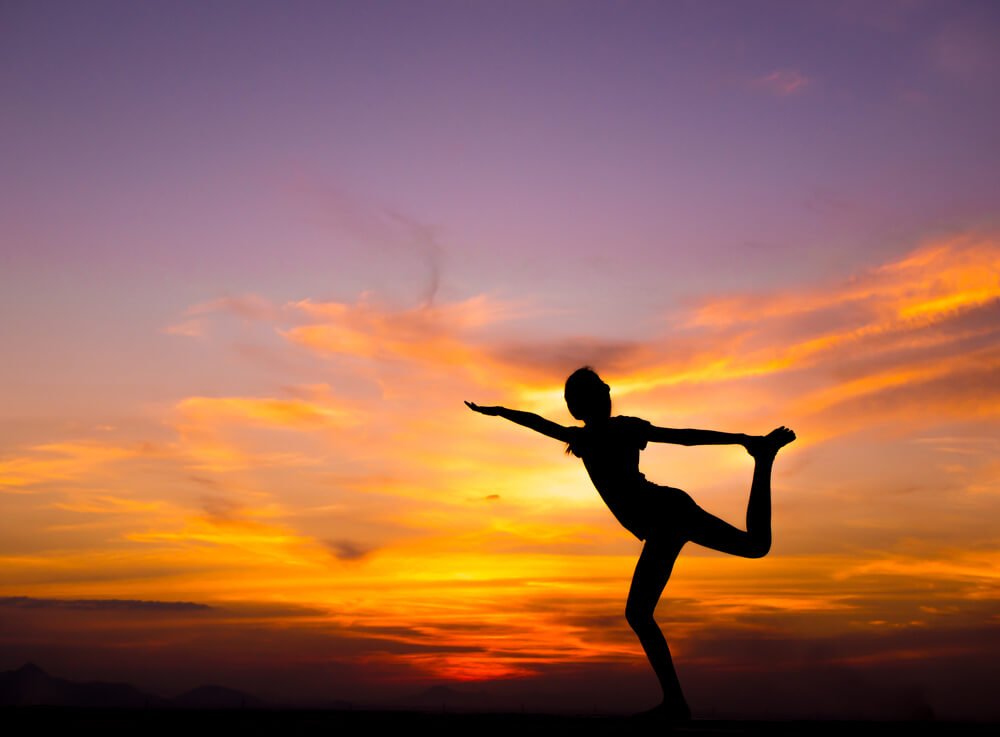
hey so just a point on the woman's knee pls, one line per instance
(759, 547)
(639, 617)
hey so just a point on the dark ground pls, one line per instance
(188, 723)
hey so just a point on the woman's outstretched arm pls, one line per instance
(527, 419)
(697, 437)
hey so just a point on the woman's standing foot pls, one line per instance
(666, 713)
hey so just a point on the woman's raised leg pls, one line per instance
(711, 532)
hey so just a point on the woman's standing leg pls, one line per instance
(651, 574)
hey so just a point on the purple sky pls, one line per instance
(607, 160)
(622, 156)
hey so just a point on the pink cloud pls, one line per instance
(781, 82)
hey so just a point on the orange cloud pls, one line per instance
(269, 411)
(217, 433)
(104, 504)
(931, 283)
(926, 319)
(912, 333)
(884, 346)
(60, 461)
(442, 335)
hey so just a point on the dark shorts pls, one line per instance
(667, 512)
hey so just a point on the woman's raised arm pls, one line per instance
(526, 419)
(696, 437)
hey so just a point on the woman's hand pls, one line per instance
(492, 411)
(526, 419)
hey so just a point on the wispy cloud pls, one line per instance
(268, 411)
(109, 605)
(443, 334)
(965, 46)
(60, 461)
(781, 82)
(376, 226)
(247, 306)
(105, 504)
(188, 328)
(348, 549)
(915, 332)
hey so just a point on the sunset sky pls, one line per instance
(254, 256)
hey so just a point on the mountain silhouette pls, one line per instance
(440, 697)
(29, 685)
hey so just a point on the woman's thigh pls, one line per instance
(679, 516)
(671, 513)
(709, 531)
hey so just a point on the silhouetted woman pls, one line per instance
(665, 517)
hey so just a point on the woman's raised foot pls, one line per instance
(767, 446)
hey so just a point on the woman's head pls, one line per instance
(587, 397)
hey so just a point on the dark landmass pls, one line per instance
(244, 722)
(216, 697)
(33, 701)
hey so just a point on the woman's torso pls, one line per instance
(610, 453)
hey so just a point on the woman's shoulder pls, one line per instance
(635, 429)
(625, 421)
